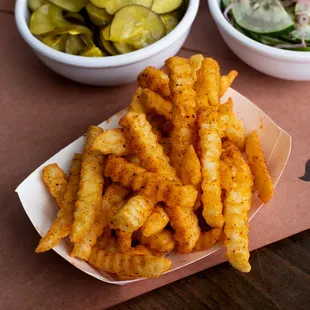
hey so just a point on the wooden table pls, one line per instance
(42, 112)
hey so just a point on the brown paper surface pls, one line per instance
(42, 112)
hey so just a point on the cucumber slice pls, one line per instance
(123, 48)
(74, 18)
(94, 51)
(70, 5)
(106, 44)
(74, 45)
(265, 16)
(36, 4)
(97, 16)
(56, 42)
(46, 19)
(302, 8)
(165, 6)
(297, 34)
(170, 20)
(136, 25)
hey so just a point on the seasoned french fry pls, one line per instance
(235, 132)
(133, 214)
(258, 166)
(161, 242)
(185, 224)
(134, 159)
(56, 181)
(184, 108)
(104, 239)
(155, 80)
(90, 188)
(112, 141)
(149, 183)
(237, 204)
(124, 240)
(210, 145)
(140, 250)
(225, 111)
(152, 157)
(136, 102)
(62, 224)
(195, 62)
(208, 84)
(190, 167)
(131, 265)
(226, 81)
(226, 176)
(207, 239)
(156, 222)
(166, 145)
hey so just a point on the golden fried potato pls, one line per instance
(56, 181)
(161, 242)
(156, 222)
(62, 224)
(256, 161)
(196, 62)
(235, 132)
(210, 146)
(90, 188)
(133, 214)
(190, 167)
(185, 224)
(136, 102)
(149, 183)
(140, 250)
(131, 265)
(226, 81)
(225, 112)
(184, 132)
(237, 204)
(208, 84)
(166, 146)
(152, 157)
(226, 176)
(207, 239)
(124, 240)
(113, 141)
(155, 80)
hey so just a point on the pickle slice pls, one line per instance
(70, 29)
(165, 6)
(170, 20)
(113, 6)
(74, 45)
(36, 4)
(106, 44)
(70, 5)
(123, 48)
(106, 33)
(94, 51)
(56, 42)
(100, 3)
(136, 25)
(74, 18)
(97, 16)
(46, 19)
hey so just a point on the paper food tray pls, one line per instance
(41, 208)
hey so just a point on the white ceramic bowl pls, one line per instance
(110, 70)
(283, 64)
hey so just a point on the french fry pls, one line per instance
(195, 62)
(226, 176)
(140, 250)
(152, 157)
(185, 224)
(226, 81)
(237, 204)
(90, 188)
(184, 108)
(150, 184)
(208, 85)
(225, 111)
(190, 167)
(136, 102)
(112, 141)
(156, 222)
(207, 239)
(155, 80)
(133, 214)
(131, 265)
(56, 181)
(124, 240)
(161, 242)
(256, 161)
(62, 224)
(210, 145)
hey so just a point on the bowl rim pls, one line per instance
(219, 18)
(108, 61)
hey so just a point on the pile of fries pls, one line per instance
(142, 190)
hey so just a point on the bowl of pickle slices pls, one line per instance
(104, 42)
